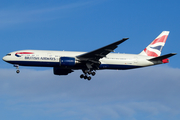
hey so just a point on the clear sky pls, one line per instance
(84, 25)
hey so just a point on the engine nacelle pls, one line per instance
(60, 71)
(67, 61)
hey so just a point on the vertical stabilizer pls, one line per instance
(154, 49)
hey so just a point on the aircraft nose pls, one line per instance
(5, 58)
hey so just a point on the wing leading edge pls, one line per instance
(95, 55)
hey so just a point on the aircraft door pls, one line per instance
(135, 60)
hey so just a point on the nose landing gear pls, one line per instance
(17, 67)
(17, 71)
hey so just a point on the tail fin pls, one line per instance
(154, 49)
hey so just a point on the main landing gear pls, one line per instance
(17, 67)
(86, 73)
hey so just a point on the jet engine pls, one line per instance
(67, 61)
(60, 71)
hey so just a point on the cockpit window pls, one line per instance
(8, 55)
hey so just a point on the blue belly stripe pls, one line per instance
(120, 67)
(35, 63)
(56, 64)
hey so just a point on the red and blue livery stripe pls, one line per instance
(18, 54)
(150, 53)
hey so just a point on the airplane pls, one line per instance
(65, 62)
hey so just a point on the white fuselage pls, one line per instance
(44, 58)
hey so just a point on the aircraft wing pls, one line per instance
(95, 55)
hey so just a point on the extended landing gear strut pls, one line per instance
(17, 67)
(86, 73)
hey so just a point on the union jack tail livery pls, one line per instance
(154, 49)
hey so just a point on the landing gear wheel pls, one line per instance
(93, 73)
(87, 73)
(85, 77)
(89, 78)
(81, 76)
(17, 71)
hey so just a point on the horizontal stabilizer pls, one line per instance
(162, 57)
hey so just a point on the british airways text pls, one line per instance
(40, 58)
